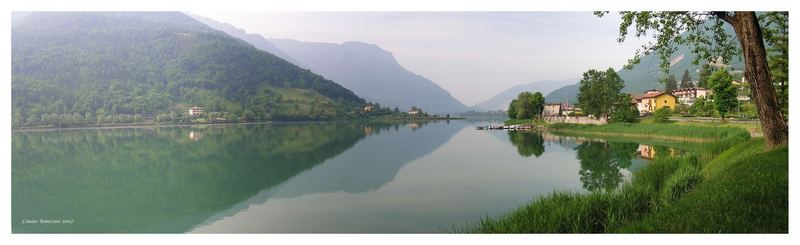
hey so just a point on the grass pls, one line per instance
(747, 194)
(655, 129)
(518, 122)
(753, 128)
(530, 122)
(732, 186)
(299, 94)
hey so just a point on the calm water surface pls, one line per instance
(299, 177)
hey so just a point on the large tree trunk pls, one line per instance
(776, 132)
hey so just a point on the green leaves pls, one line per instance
(526, 105)
(775, 27)
(599, 90)
(624, 111)
(724, 92)
(662, 115)
(703, 31)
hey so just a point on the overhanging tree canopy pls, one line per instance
(704, 31)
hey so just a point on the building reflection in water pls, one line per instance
(647, 151)
(195, 135)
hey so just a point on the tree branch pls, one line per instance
(724, 16)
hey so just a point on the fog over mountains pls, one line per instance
(372, 73)
(256, 40)
(368, 70)
(501, 100)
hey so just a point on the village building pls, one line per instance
(687, 96)
(652, 91)
(566, 109)
(739, 87)
(558, 109)
(636, 99)
(413, 112)
(653, 100)
(368, 109)
(194, 111)
(551, 110)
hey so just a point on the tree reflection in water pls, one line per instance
(601, 163)
(528, 143)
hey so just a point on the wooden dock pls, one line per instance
(505, 127)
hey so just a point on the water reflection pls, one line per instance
(604, 165)
(366, 166)
(646, 151)
(158, 179)
(195, 135)
(601, 163)
(172, 178)
(528, 143)
(310, 177)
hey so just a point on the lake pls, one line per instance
(332, 177)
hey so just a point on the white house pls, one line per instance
(195, 111)
(687, 96)
(551, 110)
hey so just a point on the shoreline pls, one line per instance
(160, 125)
(633, 135)
(155, 125)
(676, 194)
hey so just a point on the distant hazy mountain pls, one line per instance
(501, 100)
(372, 73)
(254, 39)
(643, 76)
(566, 94)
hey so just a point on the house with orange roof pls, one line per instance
(653, 100)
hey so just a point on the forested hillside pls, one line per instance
(84, 68)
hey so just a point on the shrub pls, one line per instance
(660, 115)
(626, 114)
(702, 107)
(682, 110)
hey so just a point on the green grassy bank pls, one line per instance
(528, 122)
(732, 185)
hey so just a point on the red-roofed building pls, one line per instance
(653, 100)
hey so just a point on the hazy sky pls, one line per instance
(473, 55)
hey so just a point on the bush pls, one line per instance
(627, 114)
(660, 115)
(702, 107)
(682, 110)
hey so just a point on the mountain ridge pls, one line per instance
(373, 73)
(150, 63)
